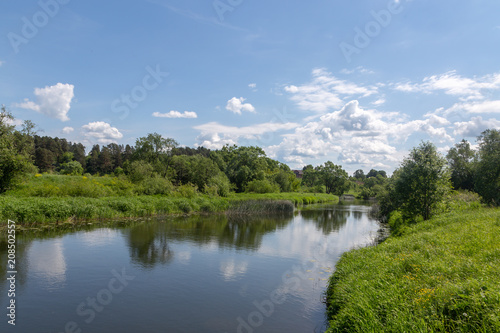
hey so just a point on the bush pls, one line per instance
(221, 183)
(396, 222)
(262, 186)
(187, 190)
(156, 185)
(137, 171)
(184, 206)
(73, 168)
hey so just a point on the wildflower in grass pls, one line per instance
(38, 175)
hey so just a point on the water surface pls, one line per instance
(184, 274)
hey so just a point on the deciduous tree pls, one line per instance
(422, 182)
(487, 171)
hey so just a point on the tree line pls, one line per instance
(419, 188)
(415, 188)
(154, 161)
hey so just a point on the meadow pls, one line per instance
(57, 199)
(439, 275)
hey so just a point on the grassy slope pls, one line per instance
(442, 275)
(54, 198)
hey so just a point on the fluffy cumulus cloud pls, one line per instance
(176, 114)
(452, 83)
(52, 101)
(326, 92)
(356, 136)
(67, 130)
(101, 132)
(236, 105)
(474, 127)
(214, 135)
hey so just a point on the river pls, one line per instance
(183, 274)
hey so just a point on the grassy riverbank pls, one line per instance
(440, 275)
(65, 199)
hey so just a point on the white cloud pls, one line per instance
(215, 136)
(357, 135)
(359, 69)
(231, 270)
(67, 130)
(52, 101)
(476, 107)
(252, 86)
(176, 114)
(236, 105)
(101, 132)
(379, 101)
(453, 84)
(326, 92)
(475, 126)
(437, 120)
(213, 141)
(14, 122)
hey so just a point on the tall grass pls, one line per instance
(296, 198)
(43, 210)
(55, 198)
(441, 275)
(253, 207)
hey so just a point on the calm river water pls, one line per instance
(184, 274)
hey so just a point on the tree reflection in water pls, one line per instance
(149, 241)
(149, 245)
(327, 219)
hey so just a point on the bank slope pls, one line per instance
(442, 275)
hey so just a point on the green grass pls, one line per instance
(42, 199)
(48, 185)
(441, 275)
(45, 210)
(296, 198)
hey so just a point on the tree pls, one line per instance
(359, 174)
(334, 178)
(487, 171)
(461, 161)
(92, 160)
(155, 150)
(422, 182)
(310, 176)
(15, 148)
(78, 151)
(244, 164)
(105, 165)
(44, 159)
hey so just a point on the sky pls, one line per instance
(358, 83)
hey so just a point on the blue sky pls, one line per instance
(355, 82)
